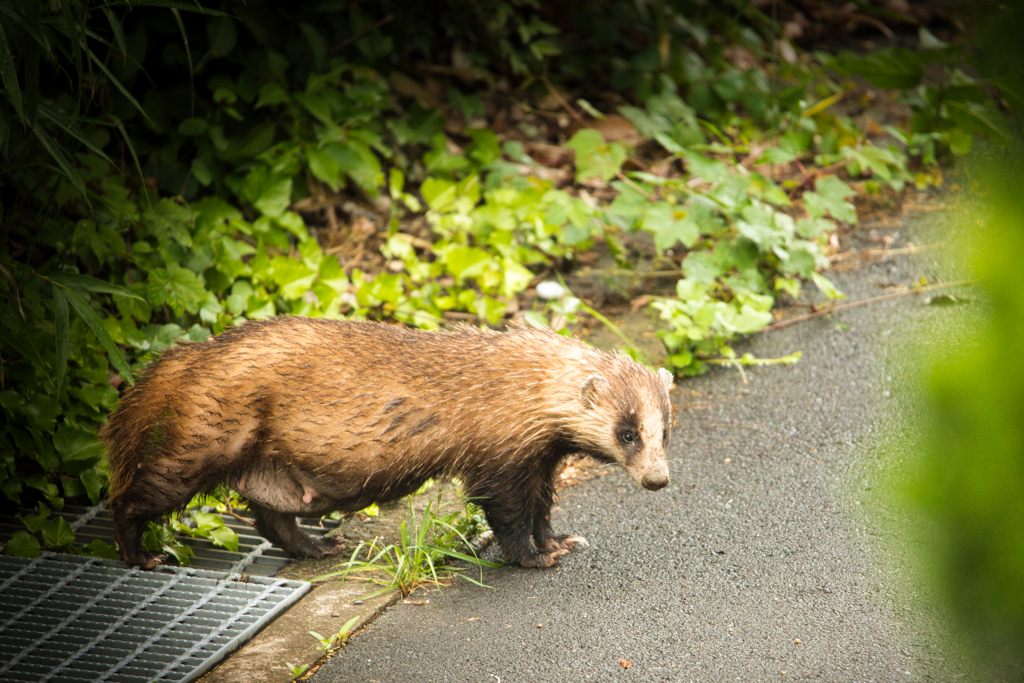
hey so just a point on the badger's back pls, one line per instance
(348, 399)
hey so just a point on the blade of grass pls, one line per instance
(61, 327)
(91, 284)
(115, 26)
(170, 4)
(9, 76)
(117, 84)
(77, 42)
(55, 151)
(70, 127)
(96, 325)
(614, 328)
(188, 54)
(127, 141)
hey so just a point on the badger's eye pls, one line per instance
(627, 437)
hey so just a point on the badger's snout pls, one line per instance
(655, 482)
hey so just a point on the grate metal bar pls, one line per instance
(71, 617)
(68, 578)
(238, 567)
(129, 626)
(14, 578)
(87, 516)
(223, 627)
(116, 625)
(210, 595)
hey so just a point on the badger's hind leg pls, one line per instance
(128, 531)
(282, 530)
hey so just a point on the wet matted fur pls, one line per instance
(308, 416)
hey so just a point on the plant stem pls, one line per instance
(865, 302)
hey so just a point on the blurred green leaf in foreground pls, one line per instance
(969, 480)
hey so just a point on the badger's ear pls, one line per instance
(588, 392)
(666, 378)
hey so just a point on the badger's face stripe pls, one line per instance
(628, 435)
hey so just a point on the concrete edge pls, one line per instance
(287, 640)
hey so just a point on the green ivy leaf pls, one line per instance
(702, 266)
(670, 225)
(98, 548)
(178, 287)
(76, 444)
(271, 93)
(35, 523)
(266, 190)
(485, 147)
(697, 164)
(466, 262)
(826, 287)
(594, 156)
(292, 276)
(831, 198)
(776, 155)
(225, 537)
(516, 277)
(192, 127)
(58, 533)
(170, 220)
(489, 309)
(891, 68)
(982, 117)
(326, 167)
(22, 544)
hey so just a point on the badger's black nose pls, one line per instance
(655, 482)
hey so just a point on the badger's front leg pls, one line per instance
(510, 514)
(543, 535)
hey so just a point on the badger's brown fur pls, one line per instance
(305, 417)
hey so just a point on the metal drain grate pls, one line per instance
(255, 555)
(70, 619)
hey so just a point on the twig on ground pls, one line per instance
(854, 304)
(562, 101)
(646, 195)
(810, 175)
(626, 271)
(876, 254)
(360, 34)
(239, 517)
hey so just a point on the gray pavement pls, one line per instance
(770, 557)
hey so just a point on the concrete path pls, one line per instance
(770, 557)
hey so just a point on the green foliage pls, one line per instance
(948, 109)
(335, 640)
(428, 542)
(967, 480)
(155, 211)
(296, 671)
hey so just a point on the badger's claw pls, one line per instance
(480, 543)
(542, 560)
(565, 543)
(146, 560)
(571, 542)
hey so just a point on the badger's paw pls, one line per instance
(567, 543)
(328, 546)
(542, 560)
(481, 542)
(145, 560)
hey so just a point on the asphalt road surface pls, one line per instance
(771, 556)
